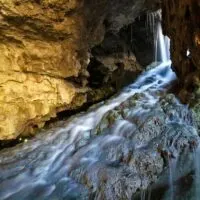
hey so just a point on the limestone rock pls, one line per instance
(38, 51)
(45, 50)
(29, 99)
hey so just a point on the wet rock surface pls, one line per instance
(129, 150)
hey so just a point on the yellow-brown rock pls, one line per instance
(40, 46)
(44, 54)
(30, 99)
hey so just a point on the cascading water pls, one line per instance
(162, 43)
(41, 163)
(172, 171)
(76, 161)
(163, 54)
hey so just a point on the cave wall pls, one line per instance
(181, 22)
(123, 55)
(45, 49)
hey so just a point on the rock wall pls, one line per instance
(123, 55)
(181, 22)
(45, 50)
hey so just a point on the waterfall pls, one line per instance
(172, 176)
(161, 45)
(161, 42)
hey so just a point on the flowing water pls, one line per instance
(44, 160)
(42, 168)
(172, 170)
(162, 43)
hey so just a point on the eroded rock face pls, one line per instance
(25, 98)
(38, 51)
(122, 56)
(182, 24)
(44, 47)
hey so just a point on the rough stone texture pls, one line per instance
(26, 97)
(38, 51)
(113, 62)
(44, 46)
(130, 148)
(123, 55)
(181, 22)
(152, 137)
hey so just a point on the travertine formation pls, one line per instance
(44, 53)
